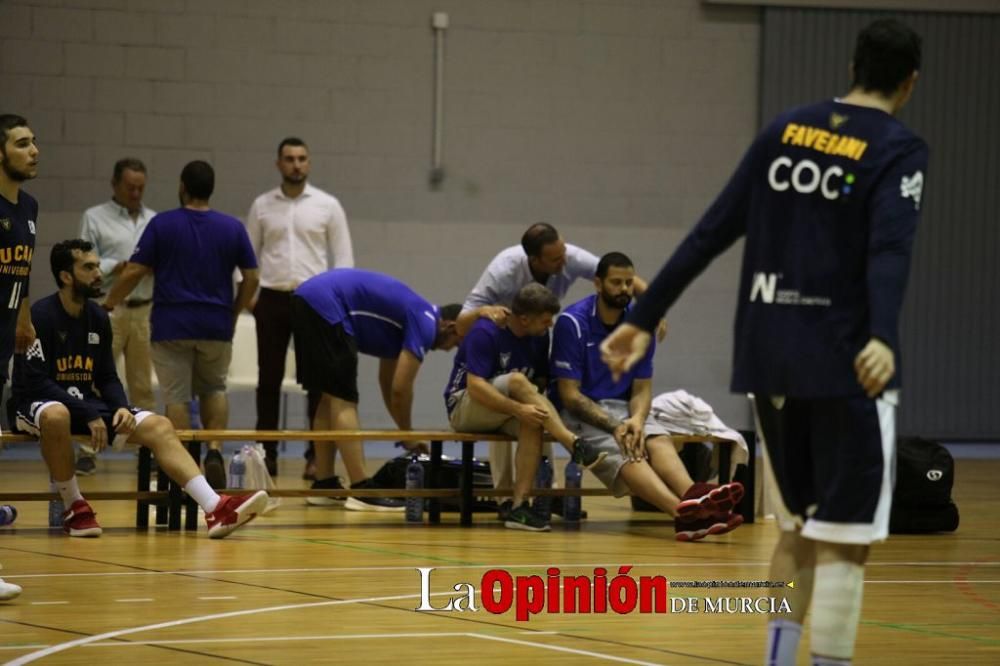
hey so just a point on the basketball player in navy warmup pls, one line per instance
(67, 383)
(18, 213)
(828, 197)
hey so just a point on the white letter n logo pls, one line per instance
(764, 285)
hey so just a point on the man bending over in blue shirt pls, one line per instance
(335, 316)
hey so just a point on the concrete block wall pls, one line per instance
(615, 120)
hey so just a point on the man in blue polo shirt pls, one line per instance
(192, 251)
(613, 415)
(346, 311)
(494, 388)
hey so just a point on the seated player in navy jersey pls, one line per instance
(335, 316)
(613, 415)
(67, 384)
(494, 388)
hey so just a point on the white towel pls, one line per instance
(686, 414)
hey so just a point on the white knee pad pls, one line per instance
(836, 601)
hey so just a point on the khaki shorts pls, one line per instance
(471, 416)
(189, 368)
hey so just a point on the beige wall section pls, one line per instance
(616, 121)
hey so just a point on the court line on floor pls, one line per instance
(559, 648)
(95, 640)
(260, 639)
(664, 565)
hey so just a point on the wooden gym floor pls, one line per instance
(325, 585)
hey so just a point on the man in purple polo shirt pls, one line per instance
(192, 251)
(494, 388)
(335, 316)
(613, 416)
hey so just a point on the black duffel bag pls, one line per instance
(393, 475)
(921, 501)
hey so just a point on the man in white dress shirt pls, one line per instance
(297, 231)
(114, 227)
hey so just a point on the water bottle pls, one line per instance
(194, 414)
(542, 504)
(571, 504)
(414, 481)
(56, 509)
(8, 514)
(237, 470)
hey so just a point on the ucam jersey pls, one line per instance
(828, 197)
(383, 315)
(17, 245)
(489, 351)
(576, 354)
(70, 360)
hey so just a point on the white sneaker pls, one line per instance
(8, 590)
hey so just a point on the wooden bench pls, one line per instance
(169, 498)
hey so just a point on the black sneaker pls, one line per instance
(271, 462)
(373, 503)
(215, 469)
(85, 465)
(504, 509)
(523, 518)
(585, 455)
(332, 483)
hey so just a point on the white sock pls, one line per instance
(836, 609)
(829, 661)
(202, 493)
(68, 490)
(782, 642)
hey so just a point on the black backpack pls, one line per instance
(393, 475)
(921, 502)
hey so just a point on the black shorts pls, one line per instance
(833, 461)
(326, 357)
(26, 414)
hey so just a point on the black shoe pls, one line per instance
(86, 465)
(332, 483)
(504, 509)
(523, 518)
(585, 455)
(373, 503)
(271, 462)
(557, 507)
(215, 469)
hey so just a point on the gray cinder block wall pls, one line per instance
(616, 121)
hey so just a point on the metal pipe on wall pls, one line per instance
(439, 22)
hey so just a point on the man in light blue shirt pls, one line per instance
(114, 228)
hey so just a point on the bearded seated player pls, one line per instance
(66, 384)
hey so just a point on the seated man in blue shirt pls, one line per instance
(494, 388)
(67, 384)
(335, 316)
(613, 416)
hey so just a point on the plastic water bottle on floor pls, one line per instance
(571, 505)
(542, 504)
(56, 509)
(237, 470)
(8, 514)
(414, 481)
